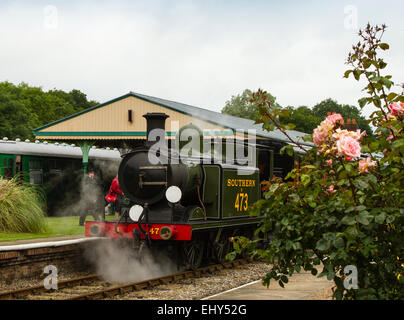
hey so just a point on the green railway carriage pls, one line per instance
(54, 168)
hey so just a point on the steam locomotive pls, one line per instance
(190, 195)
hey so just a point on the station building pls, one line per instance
(120, 123)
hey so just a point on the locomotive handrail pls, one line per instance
(154, 183)
(151, 183)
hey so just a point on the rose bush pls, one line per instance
(344, 205)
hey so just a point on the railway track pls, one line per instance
(91, 287)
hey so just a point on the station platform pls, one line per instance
(38, 240)
(45, 243)
(301, 286)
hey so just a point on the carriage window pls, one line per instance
(8, 173)
(55, 174)
(35, 177)
(52, 164)
(35, 164)
(264, 158)
(8, 165)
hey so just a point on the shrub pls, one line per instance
(21, 207)
(338, 210)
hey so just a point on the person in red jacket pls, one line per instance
(114, 196)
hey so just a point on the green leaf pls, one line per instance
(363, 217)
(288, 149)
(380, 218)
(398, 144)
(362, 102)
(387, 82)
(285, 113)
(360, 208)
(339, 243)
(366, 63)
(305, 179)
(348, 220)
(391, 96)
(331, 275)
(352, 231)
(384, 46)
(361, 184)
(346, 73)
(312, 204)
(290, 126)
(323, 244)
(308, 137)
(329, 236)
(382, 64)
(357, 74)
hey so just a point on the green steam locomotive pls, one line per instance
(189, 197)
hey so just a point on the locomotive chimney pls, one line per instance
(155, 120)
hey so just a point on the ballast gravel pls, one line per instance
(204, 286)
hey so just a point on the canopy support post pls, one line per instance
(85, 147)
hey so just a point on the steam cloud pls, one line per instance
(72, 201)
(117, 261)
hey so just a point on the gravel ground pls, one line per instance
(185, 289)
(325, 294)
(30, 282)
(206, 285)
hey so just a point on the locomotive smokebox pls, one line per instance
(155, 126)
(145, 182)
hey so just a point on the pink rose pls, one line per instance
(396, 109)
(357, 135)
(331, 189)
(364, 165)
(348, 146)
(322, 133)
(334, 118)
(329, 162)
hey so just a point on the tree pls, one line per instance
(24, 108)
(348, 112)
(75, 98)
(240, 106)
(304, 118)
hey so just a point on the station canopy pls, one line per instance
(120, 123)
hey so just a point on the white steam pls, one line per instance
(72, 201)
(117, 261)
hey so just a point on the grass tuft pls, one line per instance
(21, 207)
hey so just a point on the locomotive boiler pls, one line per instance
(184, 198)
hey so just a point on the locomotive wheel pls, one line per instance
(221, 248)
(193, 253)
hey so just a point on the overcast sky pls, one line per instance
(196, 52)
